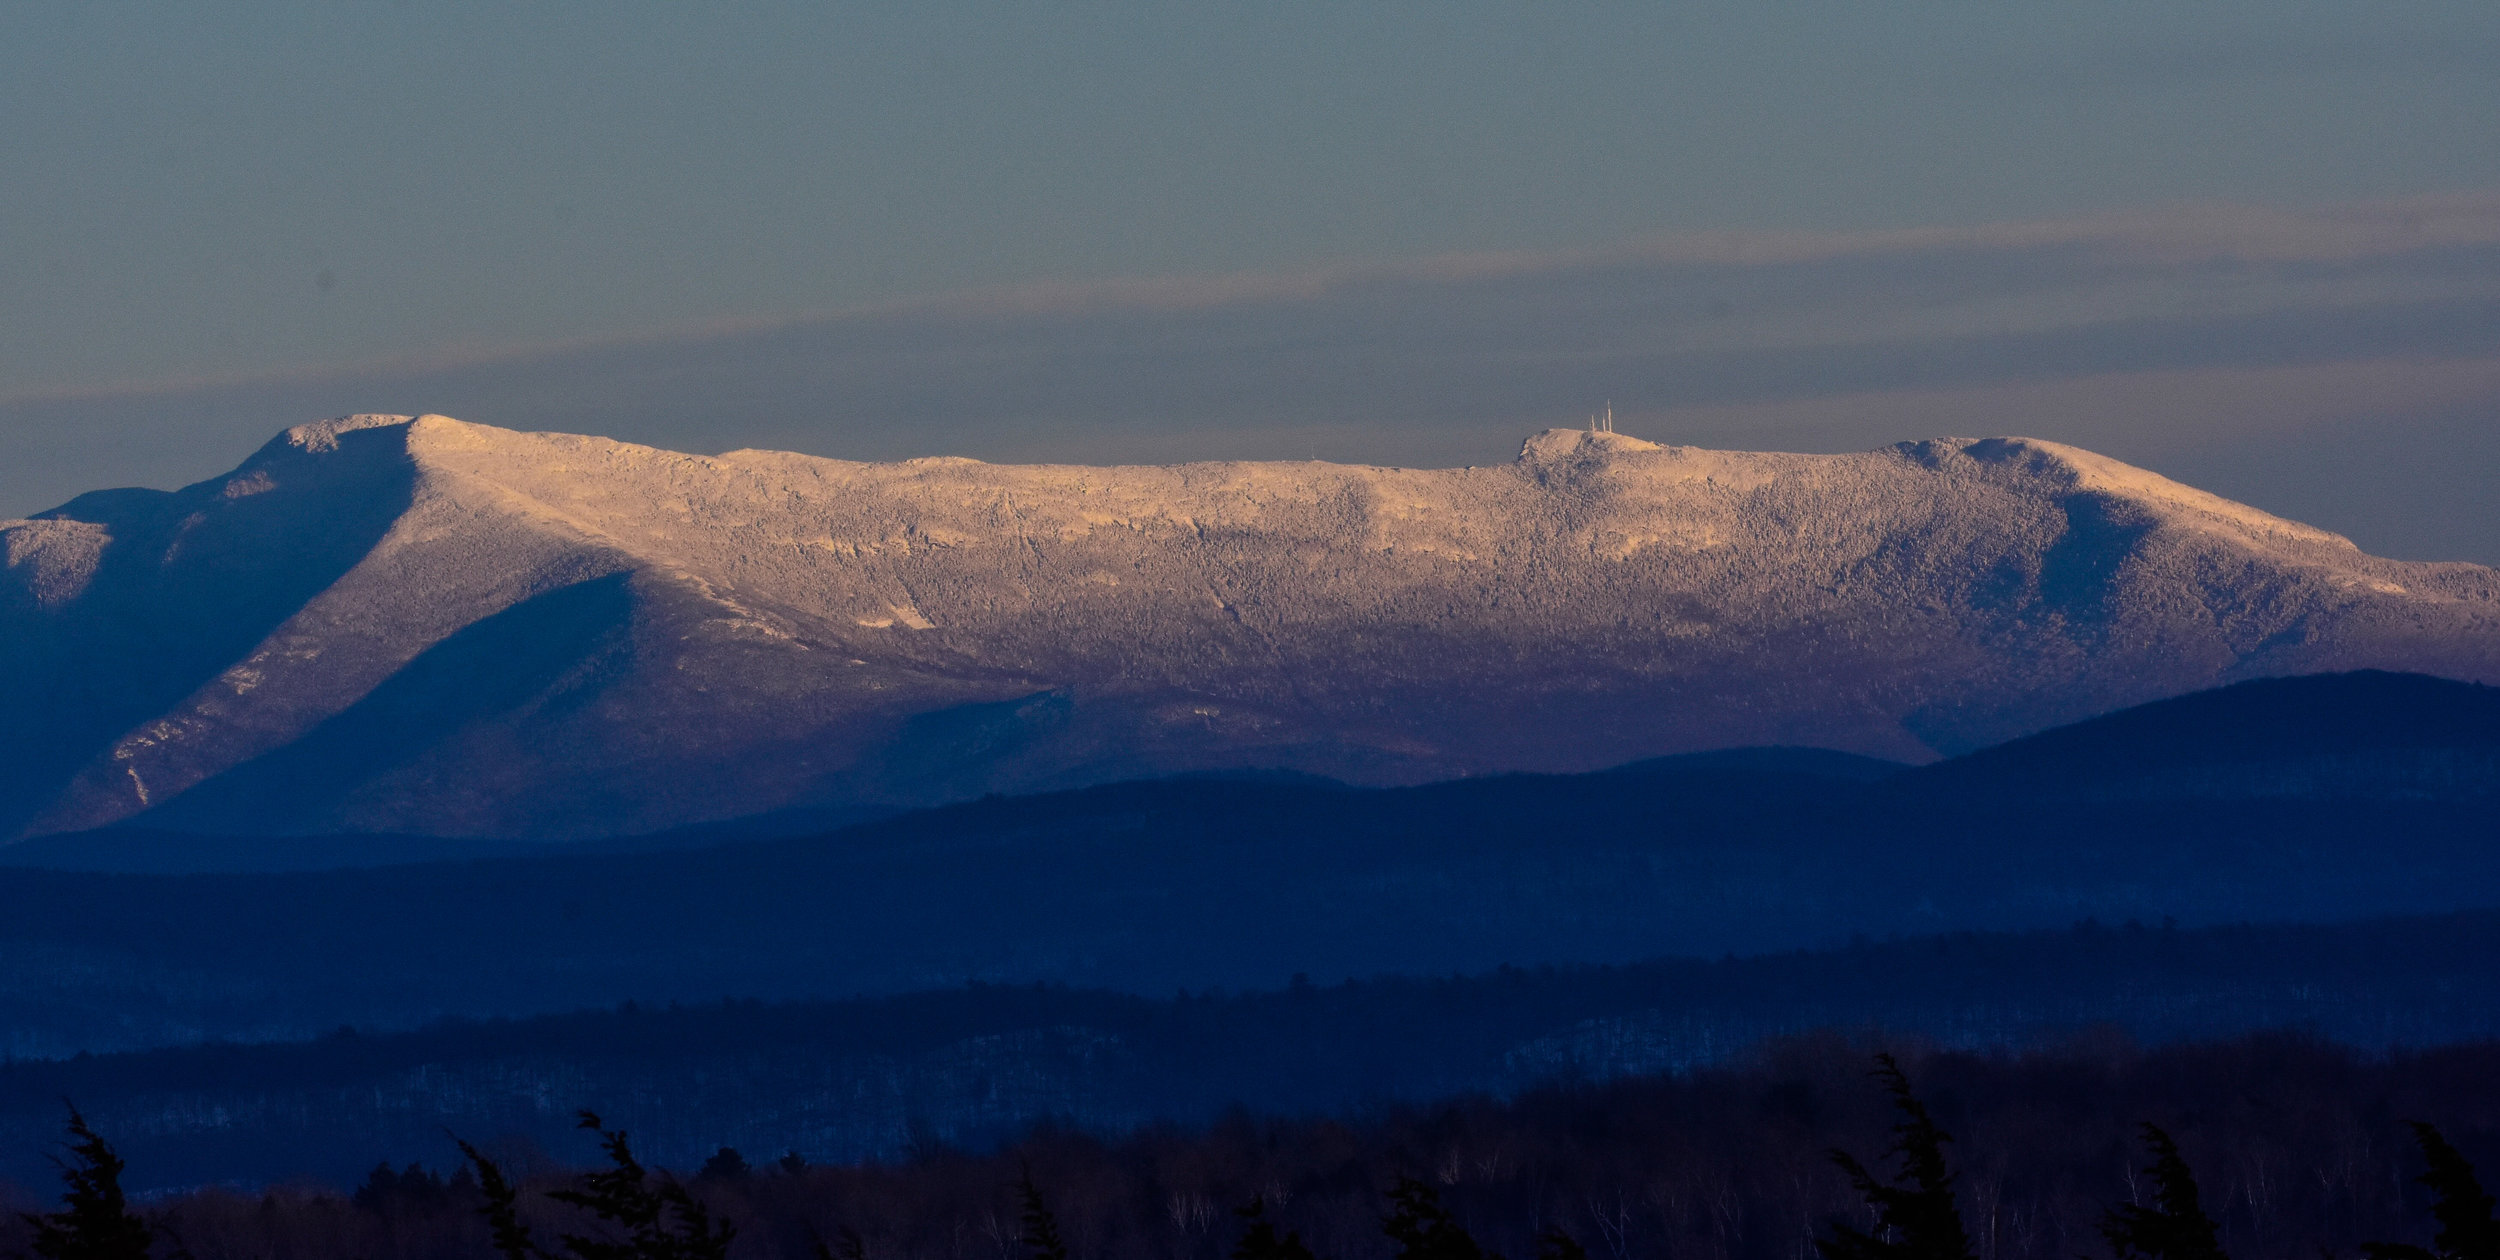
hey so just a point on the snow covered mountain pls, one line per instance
(420, 625)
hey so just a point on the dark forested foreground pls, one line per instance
(2295, 1148)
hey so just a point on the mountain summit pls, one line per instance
(380, 623)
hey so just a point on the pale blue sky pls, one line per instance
(245, 195)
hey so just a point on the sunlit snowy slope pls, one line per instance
(436, 627)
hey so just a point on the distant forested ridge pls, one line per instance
(2317, 799)
(877, 1077)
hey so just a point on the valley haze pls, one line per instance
(423, 626)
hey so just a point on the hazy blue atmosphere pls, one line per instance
(2253, 244)
(1010, 630)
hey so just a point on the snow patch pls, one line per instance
(257, 481)
(904, 615)
(53, 559)
(322, 436)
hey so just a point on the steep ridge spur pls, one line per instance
(432, 627)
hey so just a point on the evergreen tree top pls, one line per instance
(1259, 1239)
(2175, 1227)
(1040, 1227)
(1915, 1215)
(2459, 1203)
(1424, 1230)
(95, 1221)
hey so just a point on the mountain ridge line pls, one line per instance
(418, 625)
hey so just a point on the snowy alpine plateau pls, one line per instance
(429, 627)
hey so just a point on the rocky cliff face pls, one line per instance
(387, 624)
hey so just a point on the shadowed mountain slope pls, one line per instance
(430, 627)
(2369, 734)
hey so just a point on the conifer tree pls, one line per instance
(656, 1218)
(2175, 1227)
(501, 1208)
(2459, 1203)
(725, 1165)
(1040, 1228)
(380, 1185)
(1422, 1228)
(1259, 1240)
(1554, 1244)
(95, 1221)
(846, 1245)
(1915, 1217)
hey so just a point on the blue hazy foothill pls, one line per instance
(2169, 823)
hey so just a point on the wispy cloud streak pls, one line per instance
(2226, 342)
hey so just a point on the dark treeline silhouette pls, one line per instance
(2260, 1147)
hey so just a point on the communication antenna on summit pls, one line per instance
(1605, 422)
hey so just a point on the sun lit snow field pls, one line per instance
(434, 627)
